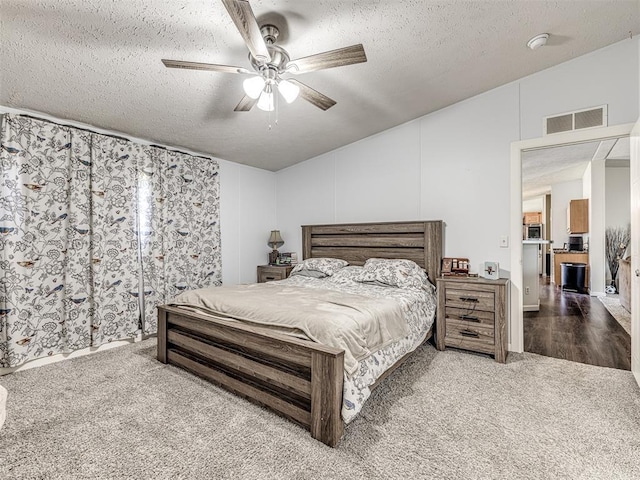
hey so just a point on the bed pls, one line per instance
(297, 378)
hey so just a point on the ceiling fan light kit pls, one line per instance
(288, 90)
(266, 100)
(253, 86)
(270, 61)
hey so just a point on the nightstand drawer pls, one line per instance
(270, 273)
(470, 316)
(269, 277)
(455, 331)
(468, 299)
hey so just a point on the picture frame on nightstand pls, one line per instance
(491, 270)
(446, 265)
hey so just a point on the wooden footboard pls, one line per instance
(298, 379)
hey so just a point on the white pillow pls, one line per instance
(399, 273)
(319, 267)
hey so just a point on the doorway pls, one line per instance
(561, 319)
(516, 331)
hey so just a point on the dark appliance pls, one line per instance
(572, 277)
(533, 231)
(575, 243)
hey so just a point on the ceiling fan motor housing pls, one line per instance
(279, 56)
(270, 33)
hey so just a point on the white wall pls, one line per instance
(247, 209)
(561, 194)
(247, 215)
(608, 76)
(401, 175)
(597, 258)
(586, 182)
(461, 155)
(618, 194)
(465, 174)
(533, 205)
(376, 179)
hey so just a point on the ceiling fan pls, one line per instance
(270, 62)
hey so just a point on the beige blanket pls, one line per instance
(357, 324)
(3, 405)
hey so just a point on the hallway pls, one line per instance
(576, 327)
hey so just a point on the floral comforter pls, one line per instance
(418, 306)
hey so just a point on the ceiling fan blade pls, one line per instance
(204, 66)
(245, 104)
(333, 58)
(313, 96)
(246, 23)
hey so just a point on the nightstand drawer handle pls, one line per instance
(470, 318)
(469, 333)
(469, 299)
(270, 278)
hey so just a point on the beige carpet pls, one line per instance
(120, 414)
(612, 303)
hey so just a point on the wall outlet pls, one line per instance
(526, 290)
(504, 241)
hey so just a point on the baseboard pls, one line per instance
(39, 362)
(597, 294)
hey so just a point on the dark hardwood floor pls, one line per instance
(576, 327)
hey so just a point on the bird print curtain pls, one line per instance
(180, 234)
(95, 231)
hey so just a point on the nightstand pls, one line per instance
(269, 273)
(472, 315)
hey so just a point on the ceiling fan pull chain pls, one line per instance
(277, 102)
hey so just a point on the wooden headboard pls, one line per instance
(356, 242)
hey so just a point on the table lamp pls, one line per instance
(275, 241)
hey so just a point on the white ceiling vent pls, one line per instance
(578, 120)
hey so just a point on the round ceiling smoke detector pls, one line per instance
(538, 41)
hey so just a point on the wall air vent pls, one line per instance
(578, 120)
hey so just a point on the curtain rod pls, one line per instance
(71, 126)
(109, 135)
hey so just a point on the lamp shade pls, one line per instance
(253, 86)
(265, 102)
(275, 240)
(288, 90)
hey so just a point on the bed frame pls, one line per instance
(298, 379)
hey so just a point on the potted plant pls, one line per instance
(616, 242)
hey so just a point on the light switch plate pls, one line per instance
(504, 241)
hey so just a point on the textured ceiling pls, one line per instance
(98, 62)
(544, 167)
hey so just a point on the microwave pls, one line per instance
(532, 231)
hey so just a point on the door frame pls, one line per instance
(516, 327)
(635, 251)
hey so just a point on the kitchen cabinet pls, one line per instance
(530, 218)
(569, 257)
(578, 216)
